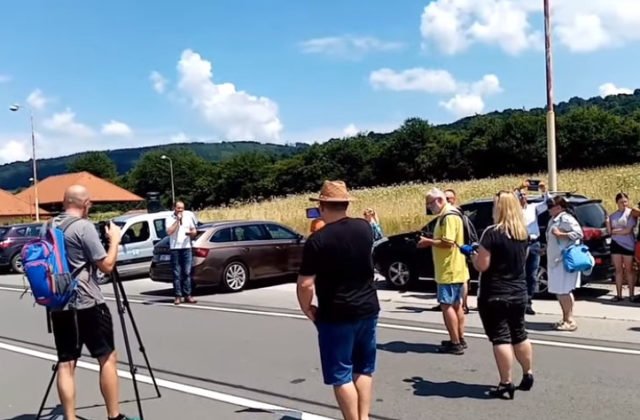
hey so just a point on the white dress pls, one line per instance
(561, 282)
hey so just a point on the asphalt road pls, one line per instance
(229, 363)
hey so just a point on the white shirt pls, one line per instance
(180, 239)
(531, 213)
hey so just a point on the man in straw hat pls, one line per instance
(337, 265)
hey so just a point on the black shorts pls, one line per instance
(503, 320)
(617, 249)
(92, 327)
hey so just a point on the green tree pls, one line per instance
(96, 163)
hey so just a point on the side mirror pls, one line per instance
(125, 239)
(300, 238)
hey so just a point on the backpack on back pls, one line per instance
(470, 233)
(47, 269)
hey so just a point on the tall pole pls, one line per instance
(551, 119)
(173, 190)
(35, 171)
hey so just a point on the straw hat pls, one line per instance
(334, 192)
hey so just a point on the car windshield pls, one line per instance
(591, 215)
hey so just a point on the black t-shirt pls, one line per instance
(339, 255)
(506, 276)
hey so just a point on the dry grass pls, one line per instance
(401, 208)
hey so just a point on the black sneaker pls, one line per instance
(530, 311)
(463, 343)
(122, 417)
(451, 348)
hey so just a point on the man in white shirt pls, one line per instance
(531, 213)
(181, 227)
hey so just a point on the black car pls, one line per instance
(402, 264)
(12, 238)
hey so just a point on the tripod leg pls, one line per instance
(125, 302)
(132, 369)
(46, 394)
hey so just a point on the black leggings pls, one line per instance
(503, 320)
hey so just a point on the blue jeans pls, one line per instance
(531, 269)
(347, 349)
(181, 265)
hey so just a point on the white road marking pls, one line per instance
(549, 343)
(176, 386)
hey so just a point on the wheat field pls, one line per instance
(401, 208)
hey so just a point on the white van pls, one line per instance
(140, 233)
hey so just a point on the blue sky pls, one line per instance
(104, 75)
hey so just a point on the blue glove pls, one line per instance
(467, 250)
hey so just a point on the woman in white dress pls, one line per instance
(563, 230)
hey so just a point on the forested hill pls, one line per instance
(15, 175)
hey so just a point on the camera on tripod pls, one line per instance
(102, 233)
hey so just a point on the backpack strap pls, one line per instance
(66, 223)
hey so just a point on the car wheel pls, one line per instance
(398, 274)
(543, 282)
(234, 277)
(16, 264)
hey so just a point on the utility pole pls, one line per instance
(551, 118)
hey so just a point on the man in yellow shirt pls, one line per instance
(450, 266)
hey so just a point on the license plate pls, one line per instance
(165, 258)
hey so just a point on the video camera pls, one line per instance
(102, 233)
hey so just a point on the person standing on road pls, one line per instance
(337, 266)
(623, 243)
(531, 213)
(563, 230)
(181, 228)
(450, 266)
(452, 199)
(502, 299)
(87, 320)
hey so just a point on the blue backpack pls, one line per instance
(47, 269)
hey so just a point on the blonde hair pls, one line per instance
(372, 213)
(508, 216)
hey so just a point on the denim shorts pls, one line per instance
(450, 294)
(347, 349)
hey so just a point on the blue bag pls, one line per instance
(577, 258)
(47, 269)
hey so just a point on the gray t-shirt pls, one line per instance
(84, 248)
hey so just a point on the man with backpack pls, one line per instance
(86, 319)
(450, 266)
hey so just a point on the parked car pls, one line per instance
(12, 238)
(229, 254)
(401, 263)
(140, 233)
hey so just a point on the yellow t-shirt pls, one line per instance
(450, 265)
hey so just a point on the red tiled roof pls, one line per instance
(11, 206)
(51, 190)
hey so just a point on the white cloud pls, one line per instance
(516, 25)
(236, 114)
(116, 128)
(348, 46)
(351, 130)
(467, 99)
(5, 78)
(179, 138)
(37, 100)
(608, 89)
(13, 150)
(415, 79)
(158, 81)
(65, 123)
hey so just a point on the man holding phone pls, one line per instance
(181, 227)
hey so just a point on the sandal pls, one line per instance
(569, 327)
(617, 299)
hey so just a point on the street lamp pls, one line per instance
(551, 119)
(16, 108)
(173, 191)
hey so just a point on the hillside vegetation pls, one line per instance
(402, 208)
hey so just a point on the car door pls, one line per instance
(288, 245)
(160, 229)
(257, 250)
(137, 245)
(423, 257)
